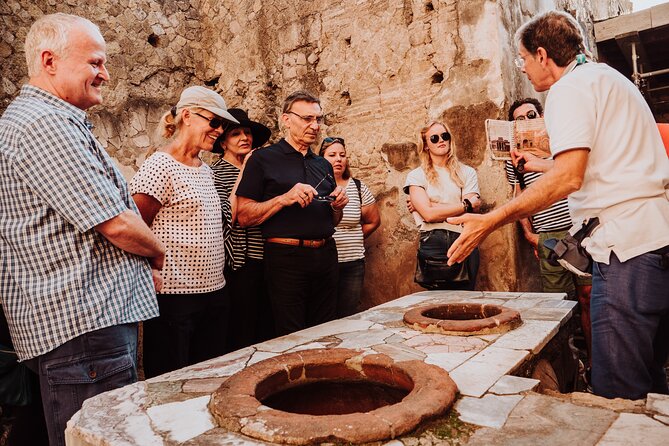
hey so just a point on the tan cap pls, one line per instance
(207, 99)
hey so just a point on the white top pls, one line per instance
(627, 173)
(189, 223)
(446, 191)
(348, 233)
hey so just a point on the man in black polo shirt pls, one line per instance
(292, 194)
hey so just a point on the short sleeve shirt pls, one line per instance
(446, 191)
(348, 233)
(273, 171)
(189, 223)
(59, 277)
(626, 179)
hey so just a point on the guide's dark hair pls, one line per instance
(556, 32)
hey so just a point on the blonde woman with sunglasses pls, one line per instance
(441, 187)
(175, 193)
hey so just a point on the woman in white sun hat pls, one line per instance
(174, 190)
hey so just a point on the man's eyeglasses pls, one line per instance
(444, 136)
(308, 119)
(324, 197)
(214, 122)
(519, 61)
(529, 115)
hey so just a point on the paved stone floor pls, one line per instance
(494, 407)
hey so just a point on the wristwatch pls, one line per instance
(467, 205)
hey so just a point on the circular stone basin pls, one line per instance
(331, 395)
(463, 319)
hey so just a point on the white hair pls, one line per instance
(50, 32)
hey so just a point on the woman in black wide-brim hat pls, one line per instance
(251, 314)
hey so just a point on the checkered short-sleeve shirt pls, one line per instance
(59, 277)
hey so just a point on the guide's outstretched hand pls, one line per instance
(476, 228)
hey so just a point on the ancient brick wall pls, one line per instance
(383, 68)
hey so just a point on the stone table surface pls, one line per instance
(172, 408)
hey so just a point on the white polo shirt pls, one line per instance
(626, 179)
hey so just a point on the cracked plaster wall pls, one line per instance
(382, 69)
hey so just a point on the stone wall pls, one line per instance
(382, 68)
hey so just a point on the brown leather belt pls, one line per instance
(298, 242)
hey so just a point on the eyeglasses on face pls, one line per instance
(444, 136)
(214, 122)
(519, 62)
(529, 115)
(308, 119)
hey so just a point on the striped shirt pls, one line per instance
(554, 218)
(348, 233)
(59, 277)
(240, 243)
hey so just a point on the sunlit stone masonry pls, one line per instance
(366, 378)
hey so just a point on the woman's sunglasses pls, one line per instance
(331, 140)
(530, 115)
(214, 122)
(444, 136)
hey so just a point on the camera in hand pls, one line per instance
(325, 197)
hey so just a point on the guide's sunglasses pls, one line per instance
(309, 119)
(324, 197)
(444, 136)
(530, 115)
(214, 122)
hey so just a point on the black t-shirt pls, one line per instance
(273, 171)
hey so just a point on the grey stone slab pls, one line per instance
(532, 336)
(658, 403)
(490, 411)
(662, 419)
(632, 428)
(448, 361)
(543, 420)
(561, 315)
(533, 295)
(509, 385)
(183, 420)
(399, 352)
(362, 339)
(479, 373)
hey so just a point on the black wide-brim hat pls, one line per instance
(261, 134)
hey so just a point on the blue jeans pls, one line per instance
(630, 326)
(349, 289)
(83, 367)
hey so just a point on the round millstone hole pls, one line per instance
(331, 395)
(463, 319)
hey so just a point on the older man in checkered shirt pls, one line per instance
(78, 266)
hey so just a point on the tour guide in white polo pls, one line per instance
(74, 274)
(610, 160)
(283, 189)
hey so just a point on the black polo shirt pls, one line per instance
(273, 171)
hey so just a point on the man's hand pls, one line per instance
(531, 163)
(301, 193)
(341, 199)
(476, 228)
(533, 239)
(157, 279)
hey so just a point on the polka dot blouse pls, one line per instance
(188, 223)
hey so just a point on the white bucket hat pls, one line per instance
(207, 99)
